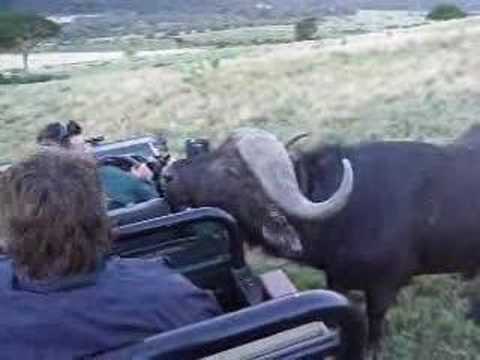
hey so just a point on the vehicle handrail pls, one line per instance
(254, 323)
(187, 217)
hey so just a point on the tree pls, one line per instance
(306, 29)
(446, 12)
(22, 32)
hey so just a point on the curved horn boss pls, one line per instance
(268, 160)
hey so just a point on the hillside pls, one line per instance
(244, 8)
(415, 4)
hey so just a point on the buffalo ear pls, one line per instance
(324, 160)
(301, 173)
(279, 234)
(294, 155)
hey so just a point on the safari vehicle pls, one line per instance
(265, 317)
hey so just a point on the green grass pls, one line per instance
(241, 36)
(430, 322)
(329, 27)
(427, 322)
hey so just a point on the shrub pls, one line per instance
(30, 78)
(172, 33)
(129, 52)
(306, 29)
(446, 12)
(150, 36)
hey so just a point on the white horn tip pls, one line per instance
(348, 173)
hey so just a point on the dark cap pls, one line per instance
(58, 133)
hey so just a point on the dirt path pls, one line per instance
(39, 61)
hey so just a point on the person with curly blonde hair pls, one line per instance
(61, 296)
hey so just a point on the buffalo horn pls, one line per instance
(268, 160)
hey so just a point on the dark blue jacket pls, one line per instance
(124, 301)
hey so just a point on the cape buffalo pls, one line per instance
(470, 138)
(412, 210)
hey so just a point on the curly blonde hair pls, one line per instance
(53, 214)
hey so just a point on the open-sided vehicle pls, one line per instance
(140, 146)
(265, 317)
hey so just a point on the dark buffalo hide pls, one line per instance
(414, 209)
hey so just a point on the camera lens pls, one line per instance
(195, 147)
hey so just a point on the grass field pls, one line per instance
(412, 83)
(328, 27)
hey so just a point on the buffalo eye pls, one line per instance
(167, 178)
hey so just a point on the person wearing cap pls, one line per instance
(123, 186)
(68, 136)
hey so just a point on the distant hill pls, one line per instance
(244, 8)
(415, 4)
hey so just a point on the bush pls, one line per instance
(129, 52)
(446, 12)
(172, 33)
(306, 29)
(29, 79)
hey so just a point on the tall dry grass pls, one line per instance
(405, 83)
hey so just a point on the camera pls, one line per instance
(195, 147)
